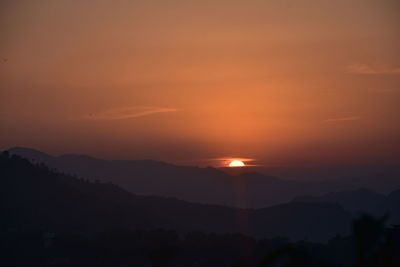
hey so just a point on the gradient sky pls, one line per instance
(283, 82)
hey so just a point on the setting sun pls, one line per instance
(236, 163)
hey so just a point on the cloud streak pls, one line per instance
(351, 118)
(370, 70)
(129, 112)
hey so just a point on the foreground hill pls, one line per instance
(32, 196)
(147, 177)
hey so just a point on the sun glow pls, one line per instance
(236, 163)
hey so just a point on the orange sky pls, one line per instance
(283, 82)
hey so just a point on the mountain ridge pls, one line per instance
(38, 197)
(147, 177)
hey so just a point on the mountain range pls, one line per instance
(36, 197)
(201, 185)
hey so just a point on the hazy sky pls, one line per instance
(283, 82)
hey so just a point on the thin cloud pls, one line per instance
(128, 112)
(351, 118)
(370, 70)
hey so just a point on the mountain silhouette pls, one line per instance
(391, 207)
(34, 196)
(361, 201)
(194, 184)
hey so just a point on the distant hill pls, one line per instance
(391, 206)
(33, 196)
(148, 177)
(361, 201)
(353, 200)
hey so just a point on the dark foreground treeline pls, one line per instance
(52, 219)
(370, 245)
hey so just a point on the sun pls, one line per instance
(236, 163)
